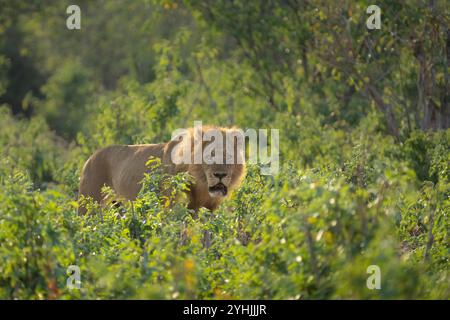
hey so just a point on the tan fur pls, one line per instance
(122, 168)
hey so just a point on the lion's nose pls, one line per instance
(220, 175)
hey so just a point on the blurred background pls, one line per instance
(364, 122)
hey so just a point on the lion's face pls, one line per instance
(221, 177)
(220, 171)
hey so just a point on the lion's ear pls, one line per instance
(168, 149)
(177, 149)
(237, 137)
(235, 131)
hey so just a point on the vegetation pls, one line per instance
(364, 122)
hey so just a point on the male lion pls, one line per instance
(122, 167)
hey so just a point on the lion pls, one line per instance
(122, 168)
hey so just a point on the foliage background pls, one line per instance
(363, 118)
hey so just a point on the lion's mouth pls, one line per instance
(218, 190)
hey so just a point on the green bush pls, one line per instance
(359, 183)
(306, 234)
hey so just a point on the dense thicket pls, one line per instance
(364, 121)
